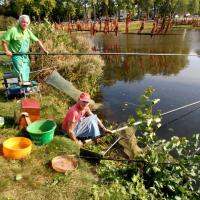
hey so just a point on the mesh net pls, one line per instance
(57, 81)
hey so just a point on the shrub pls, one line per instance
(6, 22)
(156, 174)
(84, 71)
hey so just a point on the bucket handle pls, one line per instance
(27, 118)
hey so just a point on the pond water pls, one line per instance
(176, 79)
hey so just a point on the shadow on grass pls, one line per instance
(24, 133)
(9, 122)
(48, 166)
(59, 130)
(2, 96)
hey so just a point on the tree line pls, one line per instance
(65, 10)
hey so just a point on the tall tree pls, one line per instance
(38, 8)
(166, 7)
(70, 10)
(194, 6)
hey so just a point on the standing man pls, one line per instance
(80, 122)
(17, 40)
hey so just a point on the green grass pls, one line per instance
(135, 25)
(33, 178)
(39, 181)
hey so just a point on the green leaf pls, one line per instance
(180, 151)
(192, 173)
(181, 189)
(142, 99)
(157, 120)
(178, 198)
(171, 187)
(156, 169)
(149, 122)
(159, 125)
(195, 138)
(155, 101)
(139, 112)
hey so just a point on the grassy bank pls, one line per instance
(33, 178)
(37, 179)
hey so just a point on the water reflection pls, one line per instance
(131, 68)
(175, 78)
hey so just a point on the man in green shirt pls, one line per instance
(17, 40)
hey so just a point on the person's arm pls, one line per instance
(6, 38)
(42, 46)
(70, 132)
(89, 112)
(102, 126)
(6, 49)
(35, 39)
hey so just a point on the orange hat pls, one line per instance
(84, 97)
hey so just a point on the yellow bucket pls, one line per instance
(17, 148)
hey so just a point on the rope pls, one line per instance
(106, 53)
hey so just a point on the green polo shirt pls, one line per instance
(15, 36)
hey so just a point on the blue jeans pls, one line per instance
(87, 127)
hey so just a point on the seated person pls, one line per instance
(80, 122)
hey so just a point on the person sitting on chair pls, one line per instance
(80, 123)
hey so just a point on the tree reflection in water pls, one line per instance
(134, 68)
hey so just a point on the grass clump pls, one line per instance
(6, 22)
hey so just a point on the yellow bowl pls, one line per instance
(17, 148)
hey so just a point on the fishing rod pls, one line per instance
(170, 111)
(103, 53)
(180, 117)
(180, 108)
(165, 113)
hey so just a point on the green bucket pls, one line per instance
(41, 131)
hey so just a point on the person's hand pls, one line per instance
(45, 51)
(8, 53)
(107, 130)
(79, 143)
